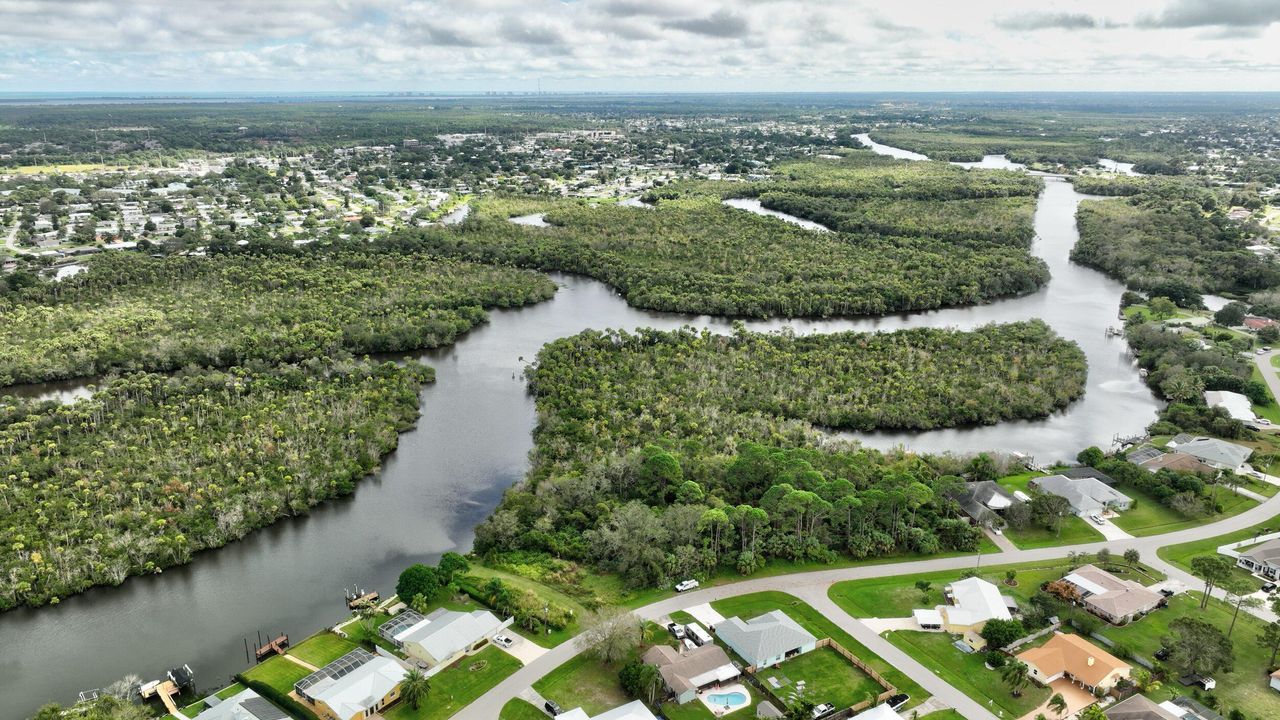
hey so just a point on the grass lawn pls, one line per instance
(1019, 481)
(543, 591)
(967, 673)
(749, 606)
(280, 673)
(943, 715)
(458, 686)
(584, 682)
(897, 596)
(695, 710)
(1149, 517)
(1181, 555)
(1245, 688)
(322, 648)
(196, 707)
(520, 710)
(1074, 530)
(829, 678)
(359, 633)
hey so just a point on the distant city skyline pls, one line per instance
(637, 46)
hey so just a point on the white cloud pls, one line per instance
(628, 44)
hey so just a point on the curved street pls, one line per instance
(813, 587)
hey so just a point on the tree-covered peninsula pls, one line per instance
(133, 312)
(153, 468)
(690, 253)
(665, 454)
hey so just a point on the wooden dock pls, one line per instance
(275, 647)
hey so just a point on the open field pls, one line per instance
(1149, 517)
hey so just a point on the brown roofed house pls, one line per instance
(1074, 657)
(685, 674)
(1110, 598)
(1181, 462)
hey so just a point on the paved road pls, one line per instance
(1268, 371)
(812, 587)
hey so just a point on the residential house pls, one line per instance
(1262, 560)
(1255, 323)
(352, 687)
(688, 673)
(1138, 707)
(1179, 461)
(879, 712)
(1110, 598)
(1215, 453)
(634, 710)
(1143, 454)
(1087, 495)
(244, 705)
(766, 640)
(973, 601)
(1192, 709)
(1084, 471)
(984, 501)
(1077, 659)
(443, 636)
(1237, 406)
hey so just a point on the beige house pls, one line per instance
(353, 687)
(1077, 659)
(974, 601)
(1110, 598)
(687, 673)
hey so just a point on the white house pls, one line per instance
(974, 601)
(1237, 406)
(443, 636)
(1262, 560)
(634, 710)
(766, 640)
(1215, 453)
(352, 687)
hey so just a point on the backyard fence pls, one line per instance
(888, 689)
(1033, 636)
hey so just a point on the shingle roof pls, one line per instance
(353, 683)
(446, 632)
(1111, 595)
(1138, 707)
(1266, 552)
(1178, 461)
(1218, 453)
(693, 669)
(244, 705)
(1075, 656)
(974, 600)
(764, 637)
(1085, 494)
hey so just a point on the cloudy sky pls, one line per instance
(638, 45)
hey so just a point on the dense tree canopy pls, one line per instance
(153, 468)
(660, 455)
(691, 253)
(134, 312)
(1170, 232)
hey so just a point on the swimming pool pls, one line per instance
(731, 699)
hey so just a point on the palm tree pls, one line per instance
(1058, 704)
(1016, 675)
(415, 687)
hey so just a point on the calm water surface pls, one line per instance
(470, 444)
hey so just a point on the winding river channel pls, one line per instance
(469, 445)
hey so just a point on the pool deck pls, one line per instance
(720, 709)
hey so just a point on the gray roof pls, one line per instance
(1267, 552)
(764, 637)
(244, 705)
(1085, 471)
(1218, 453)
(1199, 712)
(1085, 494)
(976, 498)
(1138, 707)
(1143, 454)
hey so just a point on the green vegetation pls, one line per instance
(139, 313)
(1244, 687)
(1149, 517)
(198, 706)
(1172, 233)
(967, 672)
(278, 673)
(322, 649)
(457, 686)
(584, 682)
(1072, 530)
(153, 468)
(518, 709)
(1182, 554)
(921, 378)
(693, 254)
(654, 436)
(828, 677)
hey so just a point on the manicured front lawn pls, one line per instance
(1181, 555)
(1074, 530)
(897, 596)
(520, 710)
(584, 682)
(749, 606)
(322, 649)
(458, 686)
(829, 678)
(696, 710)
(280, 673)
(966, 672)
(1244, 688)
(1149, 517)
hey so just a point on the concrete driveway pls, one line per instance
(1077, 699)
(1109, 530)
(523, 649)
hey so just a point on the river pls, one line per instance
(470, 444)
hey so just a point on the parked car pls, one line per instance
(823, 709)
(677, 630)
(1266, 348)
(1097, 519)
(551, 707)
(503, 641)
(684, 585)
(896, 701)
(1269, 587)
(1162, 654)
(1167, 592)
(1262, 352)
(1263, 421)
